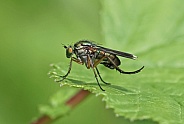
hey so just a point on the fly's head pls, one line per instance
(69, 51)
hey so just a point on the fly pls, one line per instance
(91, 55)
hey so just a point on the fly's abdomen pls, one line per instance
(106, 62)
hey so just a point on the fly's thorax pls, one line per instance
(85, 52)
(83, 48)
(84, 43)
(80, 51)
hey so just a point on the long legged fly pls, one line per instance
(91, 55)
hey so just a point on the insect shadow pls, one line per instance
(114, 87)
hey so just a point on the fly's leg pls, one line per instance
(98, 62)
(91, 63)
(77, 60)
(70, 67)
(97, 79)
(95, 65)
(101, 77)
(124, 72)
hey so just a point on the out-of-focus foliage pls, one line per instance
(31, 33)
(154, 30)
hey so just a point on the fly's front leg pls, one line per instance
(70, 67)
(77, 60)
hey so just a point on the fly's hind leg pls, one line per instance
(124, 72)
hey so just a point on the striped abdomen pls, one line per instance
(106, 62)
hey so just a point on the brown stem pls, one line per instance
(77, 98)
(72, 102)
(43, 120)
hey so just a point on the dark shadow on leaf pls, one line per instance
(76, 81)
(122, 89)
(114, 87)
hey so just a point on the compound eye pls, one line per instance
(69, 52)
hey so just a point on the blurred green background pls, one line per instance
(31, 33)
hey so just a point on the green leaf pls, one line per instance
(153, 30)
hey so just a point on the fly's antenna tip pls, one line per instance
(64, 45)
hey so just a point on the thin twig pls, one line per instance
(72, 102)
(43, 120)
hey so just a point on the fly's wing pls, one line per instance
(118, 53)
